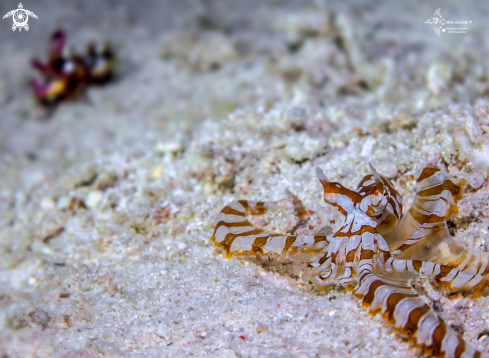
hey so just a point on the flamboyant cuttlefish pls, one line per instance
(378, 251)
(65, 77)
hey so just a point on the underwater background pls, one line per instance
(108, 196)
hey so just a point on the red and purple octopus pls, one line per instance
(64, 77)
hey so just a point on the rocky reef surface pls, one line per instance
(107, 204)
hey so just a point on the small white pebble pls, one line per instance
(182, 246)
(476, 180)
(368, 147)
(48, 203)
(201, 332)
(332, 313)
(168, 147)
(158, 171)
(63, 202)
(94, 198)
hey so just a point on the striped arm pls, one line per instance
(235, 234)
(400, 305)
(435, 202)
(472, 277)
(422, 235)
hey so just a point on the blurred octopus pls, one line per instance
(64, 77)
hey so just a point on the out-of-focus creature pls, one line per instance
(64, 77)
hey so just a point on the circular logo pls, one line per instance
(20, 17)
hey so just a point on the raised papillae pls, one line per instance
(378, 251)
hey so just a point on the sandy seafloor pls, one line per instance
(107, 204)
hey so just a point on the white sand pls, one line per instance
(107, 205)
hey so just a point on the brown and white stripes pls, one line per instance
(422, 235)
(377, 252)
